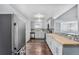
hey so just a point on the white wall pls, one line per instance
(50, 22)
(78, 11)
(61, 11)
(70, 15)
(78, 15)
(57, 27)
(19, 34)
(26, 21)
(42, 24)
(28, 30)
(23, 31)
(5, 9)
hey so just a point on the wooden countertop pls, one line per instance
(63, 40)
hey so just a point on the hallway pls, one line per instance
(37, 47)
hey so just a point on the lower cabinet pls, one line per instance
(60, 49)
(39, 34)
(55, 47)
(71, 50)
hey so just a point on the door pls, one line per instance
(5, 34)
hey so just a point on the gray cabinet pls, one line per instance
(71, 50)
(5, 34)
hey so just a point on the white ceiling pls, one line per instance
(49, 10)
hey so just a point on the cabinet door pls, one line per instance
(58, 48)
(39, 34)
(53, 46)
(36, 34)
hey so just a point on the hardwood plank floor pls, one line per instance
(37, 47)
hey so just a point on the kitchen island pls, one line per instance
(60, 45)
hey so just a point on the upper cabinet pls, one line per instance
(66, 26)
(69, 27)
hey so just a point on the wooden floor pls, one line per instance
(37, 47)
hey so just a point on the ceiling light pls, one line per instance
(39, 16)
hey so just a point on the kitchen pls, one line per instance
(61, 29)
(42, 29)
(61, 33)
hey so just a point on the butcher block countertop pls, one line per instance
(63, 40)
